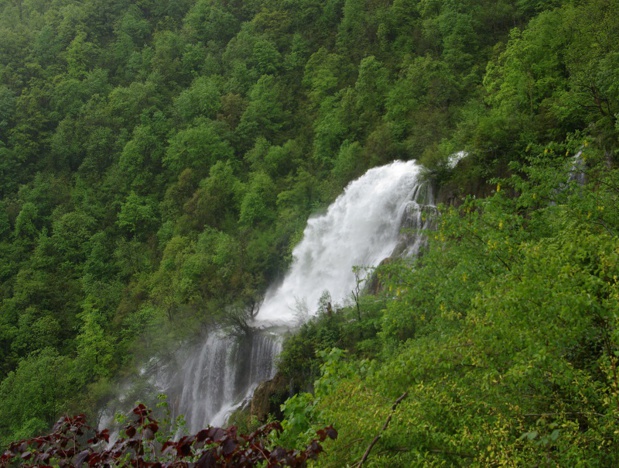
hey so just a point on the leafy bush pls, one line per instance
(73, 442)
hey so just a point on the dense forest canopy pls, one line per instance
(159, 159)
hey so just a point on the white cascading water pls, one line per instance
(378, 215)
(361, 228)
(221, 374)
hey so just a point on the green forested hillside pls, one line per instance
(159, 159)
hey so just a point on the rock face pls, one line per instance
(268, 397)
(373, 284)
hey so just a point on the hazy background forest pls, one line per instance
(159, 160)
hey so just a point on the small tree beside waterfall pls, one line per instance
(361, 275)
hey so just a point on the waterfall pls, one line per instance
(220, 374)
(383, 213)
(361, 228)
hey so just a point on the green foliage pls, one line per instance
(300, 414)
(208, 21)
(158, 161)
(25, 223)
(7, 107)
(258, 203)
(34, 394)
(321, 75)
(298, 360)
(202, 99)
(502, 333)
(198, 148)
(94, 348)
(5, 222)
(216, 202)
(265, 115)
(137, 214)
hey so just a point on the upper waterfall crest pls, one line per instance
(361, 228)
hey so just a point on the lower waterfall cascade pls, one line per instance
(379, 215)
(221, 374)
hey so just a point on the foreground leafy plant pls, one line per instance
(73, 442)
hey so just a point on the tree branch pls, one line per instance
(369, 449)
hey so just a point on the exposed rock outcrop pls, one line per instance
(268, 397)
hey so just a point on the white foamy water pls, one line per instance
(222, 374)
(361, 228)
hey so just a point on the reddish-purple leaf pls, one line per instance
(231, 449)
(313, 449)
(278, 454)
(216, 433)
(208, 460)
(142, 412)
(130, 431)
(167, 447)
(183, 449)
(94, 459)
(59, 423)
(202, 435)
(81, 458)
(153, 426)
(228, 446)
(104, 434)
